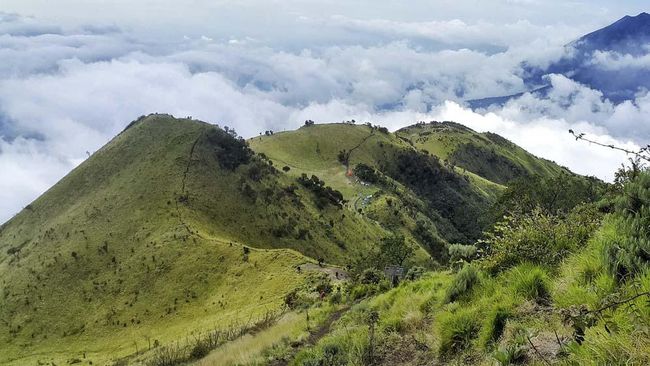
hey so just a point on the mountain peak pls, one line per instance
(628, 35)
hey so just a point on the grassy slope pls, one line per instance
(486, 154)
(417, 324)
(109, 256)
(314, 150)
(157, 229)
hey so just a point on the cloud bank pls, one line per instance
(65, 91)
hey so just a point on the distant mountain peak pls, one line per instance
(627, 35)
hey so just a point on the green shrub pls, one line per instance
(415, 273)
(460, 252)
(532, 283)
(538, 238)
(371, 276)
(457, 330)
(308, 358)
(368, 174)
(462, 283)
(360, 291)
(333, 355)
(628, 254)
(511, 353)
(494, 325)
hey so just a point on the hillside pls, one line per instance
(550, 289)
(471, 170)
(485, 154)
(177, 226)
(386, 179)
(147, 240)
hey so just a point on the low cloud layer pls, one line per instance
(65, 91)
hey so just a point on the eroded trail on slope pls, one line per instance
(314, 336)
(184, 197)
(348, 154)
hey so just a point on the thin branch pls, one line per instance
(537, 351)
(617, 303)
(558, 340)
(641, 154)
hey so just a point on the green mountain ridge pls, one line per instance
(485, 154)
(176, 225)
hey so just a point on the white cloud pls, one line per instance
(458, 32)
(65, 91)
(613, 61)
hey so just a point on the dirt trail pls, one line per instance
(183, 195)
(316, 335)
(335, 273)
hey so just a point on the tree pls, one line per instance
(395, 250)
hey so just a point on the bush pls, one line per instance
(367, 174)
(461, 253)
(324, 194)
(371, 276)
(537, 238)
(462, 283)
(199, 350)
(415, 273)
(457, 330)
(628, 254)
(334, 355)
(511, 353)
(231, 152)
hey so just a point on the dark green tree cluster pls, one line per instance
(368, 174)
(446, 192)
(324, 194)
(230, 151)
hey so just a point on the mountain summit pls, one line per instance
(628, 35)
(594, 61)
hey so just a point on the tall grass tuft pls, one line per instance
(457, 330)
(462, 283)
(494, 325)
(532, 283)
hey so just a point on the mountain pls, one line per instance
(177, 225)
(596, 60)
(487, 155)
(147, 239)
(628, 35)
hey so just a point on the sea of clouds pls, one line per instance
(66, 90)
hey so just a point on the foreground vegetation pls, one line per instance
(569, 287)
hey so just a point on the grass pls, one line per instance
(531, 282)
(269, 343)
(463, 283)
(104, 256)
(491, 157)
(457, 331)
(152, 239)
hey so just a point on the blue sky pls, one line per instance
(75, 72)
